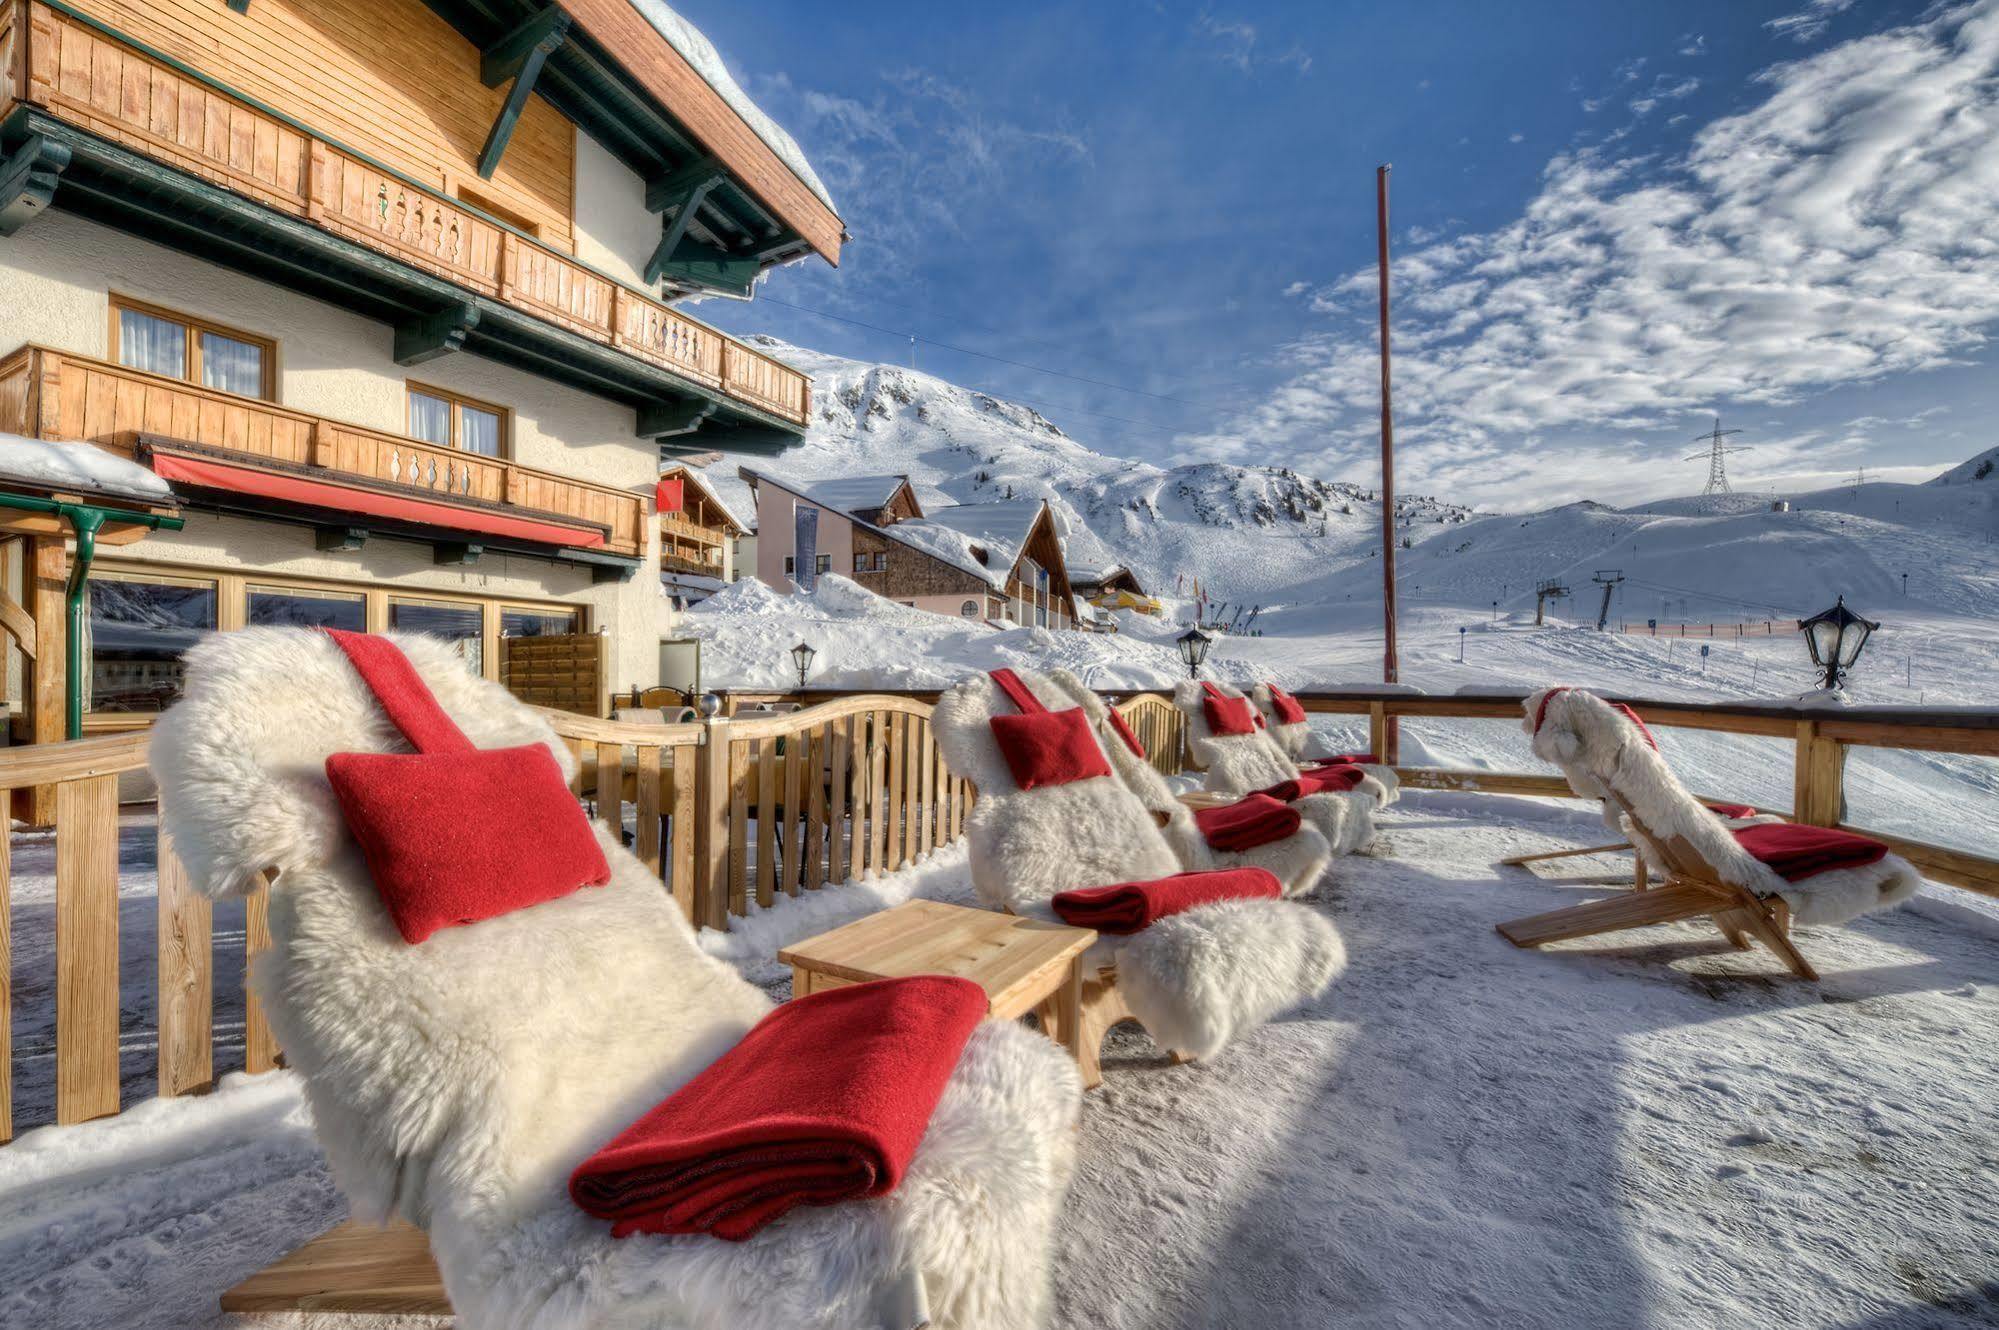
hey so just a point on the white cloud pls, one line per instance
(1234, 43)
(1693, 43)
(1809, 23)
(1665, 89)
(1837, 232)
(1592, 104)
(1516, 138)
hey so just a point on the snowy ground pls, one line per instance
(1660, 1132)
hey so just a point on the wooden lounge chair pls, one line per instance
(456, 1083)
(1238, 764)
(1298, 861)
(1194, 980)
(1705, 867)
(1294, 739)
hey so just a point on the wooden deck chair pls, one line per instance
(1296, 740)
(1298, 861)
(1705, 867)
(1239, 764)
(1195, 980)
(1732, 815)
(456, 1083)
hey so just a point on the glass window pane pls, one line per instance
(307, 609)
(538, 623)
(138, 631)
(232, 366)
(461, 625)
(430, 419)
(479, 431)
(159, 345)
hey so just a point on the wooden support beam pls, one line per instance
(664, 420)
(706, 266)
(682, 192)
(28, 180)
(339, 539)
(518, 56)
(47, 578)
(20, 625)
(452, 555)
(432, 335)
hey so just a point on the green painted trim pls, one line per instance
(695, 264)
(28, 180)
(672, 189)
(660, 420)
(519, 55)
(240, 6)
(433, 335)
(339, 539)
(676, 230)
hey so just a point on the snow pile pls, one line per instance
(695, 48)
(80, 468)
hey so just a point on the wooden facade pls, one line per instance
(696, 538)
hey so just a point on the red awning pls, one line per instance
(370, 503)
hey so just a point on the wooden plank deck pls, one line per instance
(352, 1268)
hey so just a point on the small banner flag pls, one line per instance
(805, 546)
(670, 493)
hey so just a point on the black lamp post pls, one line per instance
(801, 656)
(1835, 637)
(1194, 650)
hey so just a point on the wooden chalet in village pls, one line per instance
(1114, 588)
(1001, 562)
(698, 535)
(381, 288)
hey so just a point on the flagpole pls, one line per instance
(1392, 733)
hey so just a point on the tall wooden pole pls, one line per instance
(1393, 737)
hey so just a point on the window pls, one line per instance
(881, 560)
(139, 626)
(823, 564)
(518, 622)
(789, 565)
(303, 608)
(451, 421)
(969, 610)
(162, 342)
(487, 204)
(860, 563)
(455, 622)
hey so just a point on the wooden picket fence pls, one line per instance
(733, 812)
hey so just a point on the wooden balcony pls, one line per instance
(492, 289)
(52, 394)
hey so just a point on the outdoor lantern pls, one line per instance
(1194, 650)
(1835, 637)
(801, 656)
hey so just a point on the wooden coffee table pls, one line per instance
(1023, 964)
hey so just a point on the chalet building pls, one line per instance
(1114, 588)
(1001, 562)
(698, 535)
(383, 289)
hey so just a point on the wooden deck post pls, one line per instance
(711, 826)
(48, 575)
(1819, 792)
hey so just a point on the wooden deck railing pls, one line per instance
(53, 394)
(86, 74)
(733, 812)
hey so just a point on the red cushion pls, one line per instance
(1229, 715)
(1124, 732)
(1347, 759)
(1287, 707)
(1733, 812)
(1253, 820)
(453, 838)
(453, 834)
(1319, 780)
(1129, 907)
(823, 1101)
(1795, 852)
(1049, 748)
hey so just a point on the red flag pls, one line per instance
(669, 493)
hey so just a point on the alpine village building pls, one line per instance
(998, 562)
(383, 290)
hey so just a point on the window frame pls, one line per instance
(457, 403)
(192, 326)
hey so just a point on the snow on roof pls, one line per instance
(698, 51)
(953, 534)
(852, 494)
(74, 467)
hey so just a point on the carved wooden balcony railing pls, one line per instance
(53, 394)
(84, 74)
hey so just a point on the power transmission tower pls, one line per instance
(1608, 578)
(1717, 471)
(1545, 592)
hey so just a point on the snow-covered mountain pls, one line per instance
(1248, 533)
(1269, 535)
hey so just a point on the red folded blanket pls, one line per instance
(1733, 812)
(1227, 715)
(824, 1101)
(1319, 780)
(1130, 907)
(1251, 821)
(1795, 852)
(1342, 759)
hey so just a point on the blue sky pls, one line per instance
(1610, 221)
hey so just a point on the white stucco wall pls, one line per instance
(56, 276)
(777, 530)
(614, 231)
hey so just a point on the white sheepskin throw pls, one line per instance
(1291, 736)
(1298, 861)
(1243, 763)
(459, 1082)
(1601, 752)
(1193, 980)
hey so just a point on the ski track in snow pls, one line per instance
(1656, 1131)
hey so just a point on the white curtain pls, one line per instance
(478, 431)
(147, 343)
(430, 419)
(232, 366)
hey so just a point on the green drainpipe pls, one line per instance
(86, 520)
